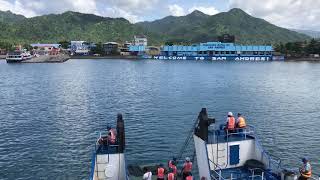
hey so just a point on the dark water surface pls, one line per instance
(50, 114)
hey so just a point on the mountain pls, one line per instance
(69, 26)
(311, 33)
(9, 17)
(192, 28)
(197, 27)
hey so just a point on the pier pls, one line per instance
(60, 58)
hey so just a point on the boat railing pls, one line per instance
(217, 171)
(273, 163)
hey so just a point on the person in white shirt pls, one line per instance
(147, 175)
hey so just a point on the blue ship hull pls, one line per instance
(213, 58)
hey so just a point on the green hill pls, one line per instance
(199, 27)
(195, 27)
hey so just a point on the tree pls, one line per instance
(64, 44)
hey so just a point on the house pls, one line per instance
(140, 40)
(46, 49)
(111, 48)
(3, 51)
(79, 48)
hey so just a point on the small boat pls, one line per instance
(18, 56)
(238, 155)
(108, 161)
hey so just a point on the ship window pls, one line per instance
(261, 52)
(255, 53)
(227, 52)
(233, 52)
(244, 52)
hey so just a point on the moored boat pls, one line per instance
(18, 56)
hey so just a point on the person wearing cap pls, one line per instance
(241, 122)
(305, 170)
(187, 168)
(160, 172)
(230, 123)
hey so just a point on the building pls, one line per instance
(140, 40)
(111, 48)
(79, 48)
(153, 51)
(3, 51)
(211, 51)
(46, 49)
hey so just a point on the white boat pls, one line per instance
(237, 155)
(108, 161)
(18, 56)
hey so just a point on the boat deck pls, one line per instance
(220, 136)
(243, 173)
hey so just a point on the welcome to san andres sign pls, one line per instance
(215, 58)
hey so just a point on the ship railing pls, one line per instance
(216, 172)
(273, 162)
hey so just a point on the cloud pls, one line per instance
(298, 14)
(132, 10)
(177, 10)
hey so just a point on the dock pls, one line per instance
(60, 58)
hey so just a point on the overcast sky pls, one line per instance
(299, 14)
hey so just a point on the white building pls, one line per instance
(140, 40)
(80, 47)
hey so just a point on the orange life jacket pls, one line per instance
(231, 123)
(161, 173)
(241, 122)
(187, 167)
(112, 137)
(171, 176)
(189, 178)
(308, 174)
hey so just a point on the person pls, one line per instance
(112, 135)
(160, 172)
(305, 170)
(171, 175)
(172, 165)
(147, 174)
(241, 122)
(189, 176)
(110, 138)
(187, 168)
(230, 123)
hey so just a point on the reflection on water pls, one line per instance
(51, 113)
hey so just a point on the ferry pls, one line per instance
(211, 51)
(18, 56)
(219, 155)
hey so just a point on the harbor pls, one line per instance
(63, 113)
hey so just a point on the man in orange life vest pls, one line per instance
(110, 138)
(230, 123)
(112, 135)
(187, 168)
(241, 122)
(306, 170)
(172, 165)
(171, 175)
(161, 172)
